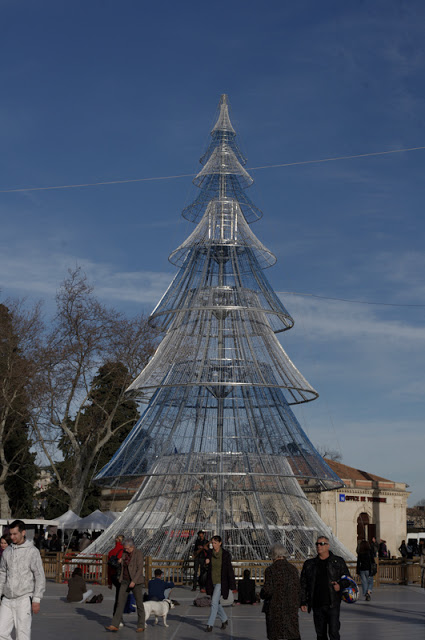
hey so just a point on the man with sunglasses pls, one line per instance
(321, 591)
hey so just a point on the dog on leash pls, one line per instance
(158, 609)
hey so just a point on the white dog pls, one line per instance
(158, 609)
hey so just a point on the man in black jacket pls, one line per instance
(199, 554)
(321, 591)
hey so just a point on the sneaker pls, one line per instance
(111, 628)
(121, 625)
(224, 624)
(368, 597)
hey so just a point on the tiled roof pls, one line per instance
(349, 473)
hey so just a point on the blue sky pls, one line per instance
(102, 91)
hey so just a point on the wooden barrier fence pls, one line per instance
(59, 566)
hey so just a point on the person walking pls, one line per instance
(281, 593)
(114, 569)
(365, 566)
(131, 579)
(22, 584)
(220, 580)
(200, 553)
(321, 591)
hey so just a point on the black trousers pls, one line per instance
(116, 584)
(198, 563)
(326, 620)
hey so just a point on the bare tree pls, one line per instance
(327, 451)
(85, 336)
(21, 367)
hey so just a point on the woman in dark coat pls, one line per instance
(282, 595)
(220, 580)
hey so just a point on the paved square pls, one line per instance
(394, 613)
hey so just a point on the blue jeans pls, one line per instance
(367, 582)
(216, 607)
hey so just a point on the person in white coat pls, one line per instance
(22, 584)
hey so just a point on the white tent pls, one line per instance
(112, 514)
(94, 521)
(69, 520)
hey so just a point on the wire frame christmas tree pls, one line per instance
(218, 447)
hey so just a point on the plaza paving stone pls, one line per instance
(394, 613)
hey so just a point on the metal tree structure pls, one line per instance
(218, 447)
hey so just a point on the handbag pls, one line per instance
(373, 569)
(266, 602)
(202, 580)
(266, 606)
(130, 604)
(113, 562)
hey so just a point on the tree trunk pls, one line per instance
(77, 498)
(78, 482)
(5, 511)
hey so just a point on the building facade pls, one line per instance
(367, 506)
